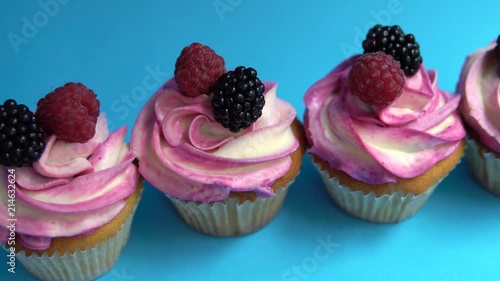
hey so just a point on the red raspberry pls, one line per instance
(197, 69)
(70, 112)
(377, 79)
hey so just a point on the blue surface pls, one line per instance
(111, 46)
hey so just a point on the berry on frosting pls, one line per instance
(70, 112)
(238, 98)
(21, 139)
(393, 41)
(497, 48)
(197, 69)
(377, 79)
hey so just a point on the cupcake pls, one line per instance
(69, 187)
(479, 85)
(219, 144)
(381, 133)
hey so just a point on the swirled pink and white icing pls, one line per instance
(71, 190)
(402, 140)
(479, 85)
(186, 154)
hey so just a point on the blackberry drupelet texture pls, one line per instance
(238, 98)
(21, 139)
(393, 41)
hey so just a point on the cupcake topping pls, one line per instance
(479, 86)
(393, 41)
(237, 95)
(497, 48)
(177, 140)
(197, 69)
(377, 79)
(379, 145)
(21, 139)
(74, 171)
(202, 147)
(70, 112)
(238, 99)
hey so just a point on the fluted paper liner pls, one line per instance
(383, 209)
(82, 265)
(484, 165)
(229, 217)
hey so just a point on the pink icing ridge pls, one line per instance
(376, 146)
(66, 159)
(480, 86)
(185, 153)
(28, 178)
(35, 242)
(79, 199)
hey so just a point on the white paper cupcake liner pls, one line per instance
(229, 217)
(485, 167)
(383, 209)
(82, 265)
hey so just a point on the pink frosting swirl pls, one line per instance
(72, 189)
(377, 146)
(185, 153)
(480, 86)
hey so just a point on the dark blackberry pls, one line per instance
(21, 140)
(238, 98)
(393, 41)
(497, 48)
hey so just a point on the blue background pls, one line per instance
(112, 46)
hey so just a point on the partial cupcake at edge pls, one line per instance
(69, 187)
(479, 85)
(381, 133)
(219, 144)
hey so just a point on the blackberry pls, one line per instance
(497, 48)
(238, 98)
(21, 139)
(393, 41)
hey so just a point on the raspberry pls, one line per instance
(393, 41)
(377, 79)
(21, 139)
(238, 99)
(497, 48)
(70, 112)
(197, 69)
